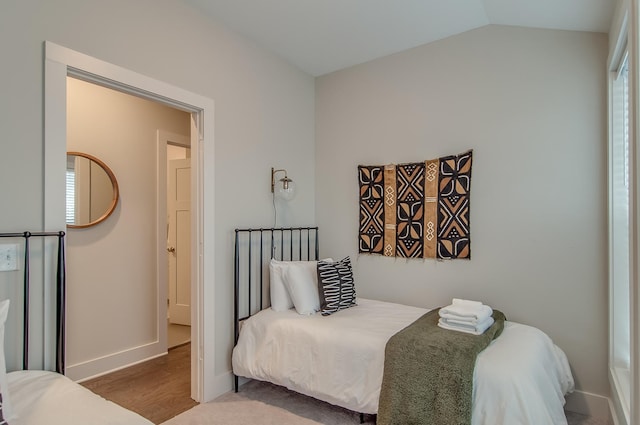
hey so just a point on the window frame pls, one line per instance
(619, 182)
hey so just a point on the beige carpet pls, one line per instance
(260, 403)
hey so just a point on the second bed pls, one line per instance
(520, 378)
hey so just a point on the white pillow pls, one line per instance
(280, 298)
(302, 283)
(6, 410)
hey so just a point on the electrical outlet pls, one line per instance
(8, 257)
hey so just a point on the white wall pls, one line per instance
(532, 106)
(264, 116)
(112, 282)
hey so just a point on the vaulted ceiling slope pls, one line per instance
(321, 36)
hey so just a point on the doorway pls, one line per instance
(178, 243)
(61, 62)
(120, 129)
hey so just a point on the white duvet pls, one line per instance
(520, 379)
(42, 397)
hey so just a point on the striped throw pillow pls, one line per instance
(2, 419)
(336, 288)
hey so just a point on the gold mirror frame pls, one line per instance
(114, 184)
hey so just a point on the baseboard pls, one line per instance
(224, 383)
(619, 404)
(110, 363)
(615, 417)
(589, 404)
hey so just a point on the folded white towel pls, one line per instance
(464, 323)
(471, 303)
(477, 329)
(464, 312)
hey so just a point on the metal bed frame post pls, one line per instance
(261, 269)
(60, 296)
(25, 301)
(236, 298)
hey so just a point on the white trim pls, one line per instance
(621, 47)
(619, 392)
(55, 153)
(621, 383)
(224, 382)
(623, 36)
(103, 73)
(161, 237)
(168, 137)
(589, 404)
(634, 290)
(60, 62)
(198, 301)
(106, 364)
(615, 414)
(619, 412)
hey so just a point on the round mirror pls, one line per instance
(92, 190)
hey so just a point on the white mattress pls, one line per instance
(520, 379)
(42, 397)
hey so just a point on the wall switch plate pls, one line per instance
(8, 257)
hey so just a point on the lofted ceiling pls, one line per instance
(321, 36)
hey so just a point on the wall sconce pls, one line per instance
(286, 188)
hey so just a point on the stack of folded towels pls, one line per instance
(466, 316)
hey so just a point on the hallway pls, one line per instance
(158, 389)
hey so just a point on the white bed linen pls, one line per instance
(42, 397)
(520, 379)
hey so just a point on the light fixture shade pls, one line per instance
(286, 189)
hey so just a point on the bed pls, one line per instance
(520, 378)
(36, 397)
(44, 397)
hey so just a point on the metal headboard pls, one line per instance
(60, 297)
(253, 250)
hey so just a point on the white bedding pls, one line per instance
(520, 379)
(42, 397)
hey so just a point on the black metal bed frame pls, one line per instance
(295, 243)
(60, 297)
(252, 251)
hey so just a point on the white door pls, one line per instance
(179, 240)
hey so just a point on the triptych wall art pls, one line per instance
(416, 210)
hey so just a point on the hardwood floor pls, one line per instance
(158, 389)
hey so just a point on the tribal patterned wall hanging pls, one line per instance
(417, 210)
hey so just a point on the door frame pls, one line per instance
(61, 62)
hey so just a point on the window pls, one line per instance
(70, 212)
(619, 225)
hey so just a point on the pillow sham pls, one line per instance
(300, 281)
(5, 406)
(3, 421)
(280, 299)
(336, 288)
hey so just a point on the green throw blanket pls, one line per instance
(428, 373)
